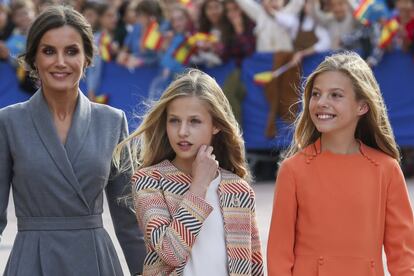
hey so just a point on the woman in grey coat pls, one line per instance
(55, 153)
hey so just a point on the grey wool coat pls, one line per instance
(58, 191)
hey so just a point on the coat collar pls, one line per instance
(173, 171)
(63, 156)
(315, 149)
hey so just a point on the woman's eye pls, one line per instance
(72, 51)
(48, 51)
(173, 120)
(336, 95)
(195, 121)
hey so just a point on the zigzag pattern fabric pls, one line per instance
(171, 218)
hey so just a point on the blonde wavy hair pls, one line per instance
(373, 128)
(149, 145)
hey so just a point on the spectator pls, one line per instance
(6, 25)
(308, 38)
(177, 52)
(22, 14)
(338, 20)
(271, 35)
(211, 22)
(239, 42)
(134, 54)
(107, 47)
(90, 10)
(405, 16)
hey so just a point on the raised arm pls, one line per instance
(294, 6)
(320, 16)
(252, 8)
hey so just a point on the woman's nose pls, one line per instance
(60, 60)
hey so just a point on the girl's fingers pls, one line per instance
(209, 150)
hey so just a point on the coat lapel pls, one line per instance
(46, 130)
(79, 128)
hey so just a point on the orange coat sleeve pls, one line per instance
(399, 227)
(280, 247)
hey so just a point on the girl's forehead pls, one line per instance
(188, 103)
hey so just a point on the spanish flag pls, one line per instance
(105, 46)
(184, 51)
(200, 36)
(263, 78)
(152, 39)
(361, 12)
(388, 31)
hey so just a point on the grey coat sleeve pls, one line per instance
(5, 173)
(125, 224)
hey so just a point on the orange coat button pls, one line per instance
(321, 261)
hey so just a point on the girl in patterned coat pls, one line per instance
(190, 191)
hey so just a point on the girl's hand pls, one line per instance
(204, 170)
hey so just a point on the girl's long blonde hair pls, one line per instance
(373, 128)
(149, 145)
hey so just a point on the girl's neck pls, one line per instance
(183, 166)
(339, 145)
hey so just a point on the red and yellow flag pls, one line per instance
(263, 78)
(202, 37)
(389, 30)
(105, 46)
(184, 51)
(152, 39)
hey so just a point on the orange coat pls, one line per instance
(333, 213)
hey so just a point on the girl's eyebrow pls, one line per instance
(191, 116)
(330, 89)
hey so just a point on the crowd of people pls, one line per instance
(179, 33)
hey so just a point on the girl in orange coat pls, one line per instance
(340, 193)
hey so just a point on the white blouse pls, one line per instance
(208, 254)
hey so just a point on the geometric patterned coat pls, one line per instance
(171, 218)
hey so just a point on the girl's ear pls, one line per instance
(215, 130)
(363, 108)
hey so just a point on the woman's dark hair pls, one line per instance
(228, 31)
(150, 8)
(52, 18)
(204, 23)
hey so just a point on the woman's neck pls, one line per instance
(61, 104)
(339, 145)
